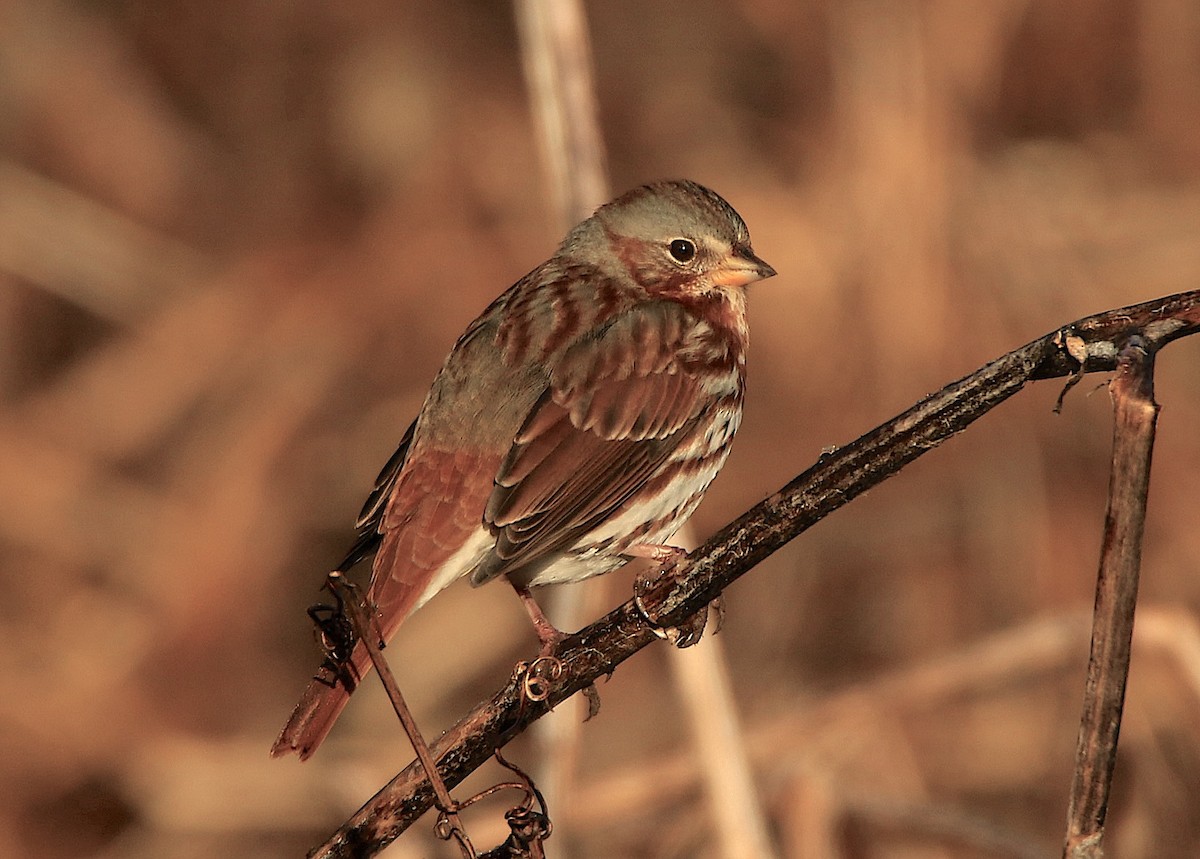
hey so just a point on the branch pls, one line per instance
(1134, 417)
(1089, 345)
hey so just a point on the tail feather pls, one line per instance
(318, 709)
(323, 702)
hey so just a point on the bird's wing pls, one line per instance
(371, 517)
(619, 405)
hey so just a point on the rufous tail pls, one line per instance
(319, 708)
(324, 699)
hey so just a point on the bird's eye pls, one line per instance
(683, 250)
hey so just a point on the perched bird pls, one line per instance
(576, 423)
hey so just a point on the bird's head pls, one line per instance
(677, 240)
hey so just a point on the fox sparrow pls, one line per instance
(576, 423)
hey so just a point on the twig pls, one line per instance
(364, 628)
(1135, 416)
(836, 479)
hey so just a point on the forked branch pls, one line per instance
(1090, 345)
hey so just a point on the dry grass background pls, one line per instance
(237, 238)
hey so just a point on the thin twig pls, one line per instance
(836, 479)
(366, 632)
(1135, 416)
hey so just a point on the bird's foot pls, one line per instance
(668, 559)
(539, 677)
(549, 636)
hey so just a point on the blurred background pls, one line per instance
(238, 237)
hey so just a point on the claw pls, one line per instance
(718, 609)
(642, 585)
(593, 701)
(691, 630)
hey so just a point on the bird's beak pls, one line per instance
(740, 268)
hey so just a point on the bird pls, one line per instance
(575, 425)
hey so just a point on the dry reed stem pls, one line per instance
(558, 71)
(1135, 417)
(557, 60)
(702, 676)
(87, 253)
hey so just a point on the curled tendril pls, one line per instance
(540, 677)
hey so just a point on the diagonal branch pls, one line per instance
(1089, 345)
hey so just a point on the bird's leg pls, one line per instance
(541, 674)
(548, 634)
(667, 560)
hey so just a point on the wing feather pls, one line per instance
(370, 519)
(617, 407)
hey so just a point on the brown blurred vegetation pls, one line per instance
(237, 238)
